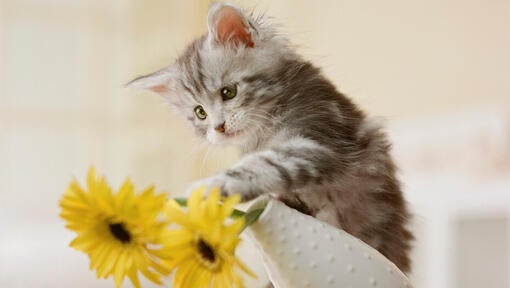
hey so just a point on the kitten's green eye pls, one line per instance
(228, 92)
(200, 112)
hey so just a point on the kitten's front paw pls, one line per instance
(208, 184)
(235, 186)
(228, 186)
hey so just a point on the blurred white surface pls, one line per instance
(456, 173)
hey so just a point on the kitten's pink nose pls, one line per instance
(220, 128)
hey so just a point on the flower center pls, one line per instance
(207, 256)
(119, 232)
(206, 251)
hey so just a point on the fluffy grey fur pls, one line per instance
(303, 141)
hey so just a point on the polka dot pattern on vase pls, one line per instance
(301, 251)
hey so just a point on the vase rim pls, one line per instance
(262, 202)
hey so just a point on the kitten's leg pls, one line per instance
(293, 201)
(288, 166)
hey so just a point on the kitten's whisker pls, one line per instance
(204, 159)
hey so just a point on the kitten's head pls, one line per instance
(220, 82)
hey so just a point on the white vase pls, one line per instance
(301, 251)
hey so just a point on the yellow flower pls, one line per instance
(116, 230)
(202, 250)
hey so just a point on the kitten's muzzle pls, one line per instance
(220, 128)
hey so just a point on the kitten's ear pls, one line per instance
(159, 82)
(229, 25)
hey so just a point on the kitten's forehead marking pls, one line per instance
(191, 67)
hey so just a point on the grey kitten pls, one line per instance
(302, 140)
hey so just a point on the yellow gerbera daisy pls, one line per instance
(202, 250)
(116, 230)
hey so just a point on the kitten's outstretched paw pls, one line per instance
(235, 186)
(228, 186)
(208, 184)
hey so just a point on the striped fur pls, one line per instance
(303, 141)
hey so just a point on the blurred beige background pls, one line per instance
(437, 71)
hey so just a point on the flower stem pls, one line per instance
(249, 217)
(235, 213)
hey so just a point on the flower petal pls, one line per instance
(194, 203)
(229, 204)
(121, 251)
(119, 272)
